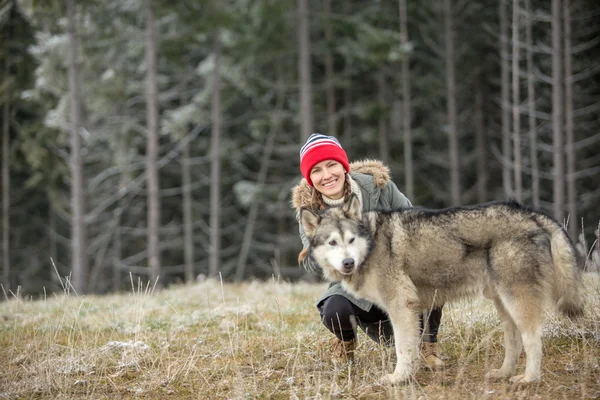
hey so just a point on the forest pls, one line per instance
(159, 140)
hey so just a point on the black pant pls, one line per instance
(338, 315)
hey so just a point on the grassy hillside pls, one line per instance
(261, 340)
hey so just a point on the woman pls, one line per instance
(328, 180)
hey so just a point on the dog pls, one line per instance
(411, 259)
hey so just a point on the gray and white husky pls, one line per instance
(408, 260)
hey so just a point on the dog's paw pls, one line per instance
(393, 379)
(497, 374)
(524, 379)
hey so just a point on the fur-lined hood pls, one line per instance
(302, 193)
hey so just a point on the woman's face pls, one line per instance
(328, 178)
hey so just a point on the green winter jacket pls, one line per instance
(378, 193)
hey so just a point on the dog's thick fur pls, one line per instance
(411, 259)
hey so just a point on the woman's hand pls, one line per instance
(302, 256)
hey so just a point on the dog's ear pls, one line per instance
(352, 208)
(309, 221)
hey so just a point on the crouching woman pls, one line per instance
(329, 180)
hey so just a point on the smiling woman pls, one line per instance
(329, 180)
(324, 165)
(328, 177)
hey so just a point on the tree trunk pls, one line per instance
(569, 127)
(557, 114)
(124, 178)
(506, 153)
(406, 105)
(382, 124)
(480, 142)
(304, 71)
(330, 73)
(535, 173)
(253, 213)
(347, 143)
(6, 160)
(53, 244)
(117, 250)
(79, 259)
(215, 165)
(152, 148)
(275, 126)
(6, 177)
(188, 217)
(516, 103)
(451, 86)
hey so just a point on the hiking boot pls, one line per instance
(431, 356)
(342, 351)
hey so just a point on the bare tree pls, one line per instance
(262, 177)
(348, 119)
(535, 173)
(186, 179)
(78, 229)
(124, 179)
(480, 141)
(557, 113)
(451, 100)
(5, 171)
(6, 156)
(406, 104)
(330, 73)
(506, 153)
(569, 125)
(347, 98)
(382, 123)
(215, 164)
(516, 102)
(55, 277)
(188, 219)
(117, 248)
(152, 147)
(304, 71)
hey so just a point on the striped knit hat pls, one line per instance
(320, 148)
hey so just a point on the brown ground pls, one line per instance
(261, 340)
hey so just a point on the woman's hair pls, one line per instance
(316, 201)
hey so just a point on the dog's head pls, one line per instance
(339, 240)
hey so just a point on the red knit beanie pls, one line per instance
(320, 148)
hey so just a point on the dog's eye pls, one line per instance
(351, 241)
(332, 243)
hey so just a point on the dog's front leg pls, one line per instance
(405, 322)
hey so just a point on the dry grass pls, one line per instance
(260, 340)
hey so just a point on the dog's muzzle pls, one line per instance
(347, 266)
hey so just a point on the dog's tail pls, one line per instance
(567, 286)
